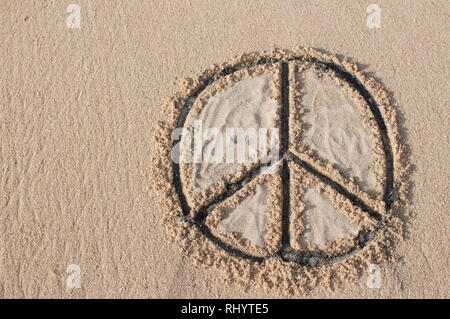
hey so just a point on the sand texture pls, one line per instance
(315, 208)
(241, 101)
(342, 258)
(324, 223)
(334, 129)
(80, 127)
(248, 218)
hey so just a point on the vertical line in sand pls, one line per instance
(284, 126)
(285, 174)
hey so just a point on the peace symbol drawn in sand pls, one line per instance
(326, 203)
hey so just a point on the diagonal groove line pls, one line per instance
(339, 188)
(230, 190)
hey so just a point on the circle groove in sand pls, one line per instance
(311, 258)
(304, 258)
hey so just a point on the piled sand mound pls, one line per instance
(325, 206)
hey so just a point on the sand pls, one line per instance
(249, 97)
(77, 107)
(324, 223)
(334, 129)
(245, 100)
(248, 218)
(381, 218)
(315, 205)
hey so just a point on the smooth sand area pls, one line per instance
(246, 104)
(248, 218)
(323, 223)
(335, 130)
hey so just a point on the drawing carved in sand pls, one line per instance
(330, 205)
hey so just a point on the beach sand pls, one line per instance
(78, 105)
(335, 130)
(248, 219)
(324, 223)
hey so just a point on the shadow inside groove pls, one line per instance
(284, 114)
(307, 258)
(285, 176)
(286, 179)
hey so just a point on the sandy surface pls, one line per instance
(334, 129)
(245, 104)
(77, 107)
(324, 223)
(248, 218)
